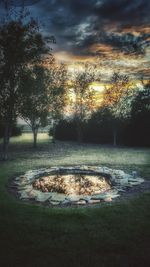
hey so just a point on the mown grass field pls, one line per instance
(36, 236)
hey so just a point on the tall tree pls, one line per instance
(21, 44)
(34, 98)
(113, 95)
(140, 116)
(42, 94)
(83, 96)
(57, 94)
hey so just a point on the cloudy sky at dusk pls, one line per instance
(116, 33)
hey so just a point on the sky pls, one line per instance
(113, 33)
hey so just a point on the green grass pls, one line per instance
(27, 138)
(38, 236)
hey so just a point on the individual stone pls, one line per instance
(100, 196)
(86, 198)
(120, 190)
(32, 194)
(139, 180)
(55, 203)
(74, 198)
(122, 182)
(58, 197)
(24, 195)
(42, 197)
(94, 201)
(134, 183)
(81, 202)
(113, 195)
(110, 194)
(108, 199)
(26, 188)
(66, 202)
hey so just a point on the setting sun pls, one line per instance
(97, 86)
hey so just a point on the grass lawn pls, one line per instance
(36, 236)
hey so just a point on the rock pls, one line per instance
(134, 173)
(110, 194)
(81, 202)
(118, 173)
(136, 180)
(98, 197)
(26, 188)
(74, 197)
(113, 191)
(121, 190)
(66, 202)
(113, 195)
(119, 180)
(108, 199)
(23, 182)
(87, 198)
(122, 182)
(32, 194)
(54, 203)
(42, 197)
(23, 195)
(57, 197)
(94, 201)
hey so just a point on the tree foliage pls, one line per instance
(140, 116)
(34, 98)
(21, 44)
(43, 95)
(83, 95)
(113, 96)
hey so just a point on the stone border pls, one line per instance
(119, 180)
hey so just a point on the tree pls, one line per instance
(66, 130)
(35, 102)
(141, 101)
(42, 93)
(57, 94)
(21, 44)
(98, 127)
(140, 116)
(113, 96)
(82, 96)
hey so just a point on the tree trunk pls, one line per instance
(54, 134)
(6, 141)
(79, 133)
(34, 138)
(114, 136)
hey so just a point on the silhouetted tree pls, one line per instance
(57, 94)
(98, 127)
(34, 99)
(140, 116)
(112, 98)
(83, 96)
(43, 96)
(66, 130)
(21, 44)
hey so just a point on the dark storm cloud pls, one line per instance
(127, 43)
(81, 23)
(122, 11)
(125, 11)
(78, 24)
(18, 2)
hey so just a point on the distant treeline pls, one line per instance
(134, 131)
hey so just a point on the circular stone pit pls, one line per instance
(80, 185)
